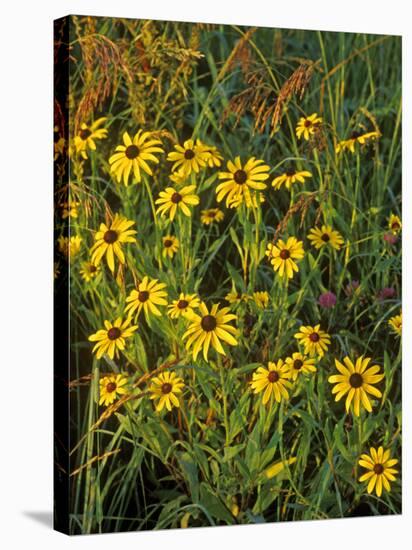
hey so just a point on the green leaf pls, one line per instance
(214, 505)
(190, 471)
(230, 452)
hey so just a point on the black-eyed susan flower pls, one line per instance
(380, 470)
(190, 157)
(171, 201)
(164, 388)
(235, 297)
(314, 340)
(183, 306)
(111, 387)
(69, 209)
(394, 224)
(357, 381)
(356, 137)
(240, 180)
(69, 247)
(113, 337)
(178, 177)
(148, 295)
(282, 256)
(88, 271)
(134, 156)
(307, 126)
(261, 299)
(211, 215)
(272, 381)
(214, 158)
(109, 240)
(396, 324)
(325, 236)
(170, 246)
(290, 177)
(300, 364)
(208, 329)
(85, 139)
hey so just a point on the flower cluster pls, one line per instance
(206, 331)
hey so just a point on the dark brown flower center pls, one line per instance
(273, 376)
(378, 469)
(284, 254)
(240, 177)
(110, 236)
(356, 380)
(189, 154)
(355, 135)
(132, 152)
(325, 238)
(208, 323)
(92, 268)
(176, 197)
(182, 304)
(85, 133)
(212, 214)
(290, 173)
(111, 387)
(297, 364)
(395, 225)
(143, 296)
(166, 387)
(114, 333)
(308, 123)
(167, 243)
(314, 337)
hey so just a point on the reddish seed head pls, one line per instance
(327, 300)
(386, 293)
(390, 239)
